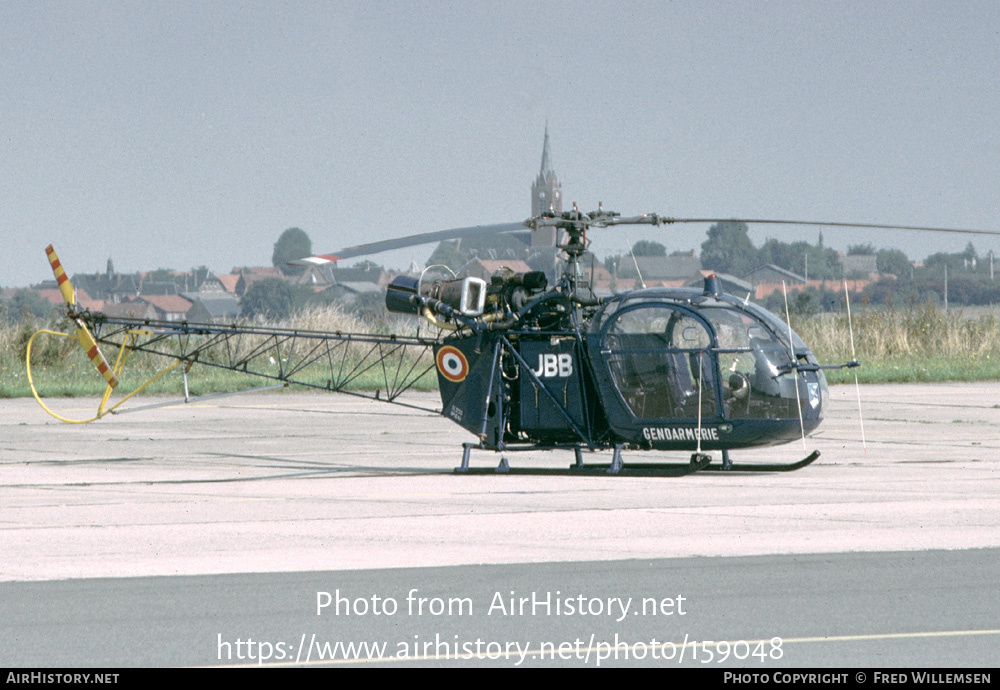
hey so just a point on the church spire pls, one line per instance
(546, 156)
(546, 192)
(546, 196)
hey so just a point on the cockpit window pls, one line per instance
(660, 360)
(664, 361)
(778, 326)
(753, 363)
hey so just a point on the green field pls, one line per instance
(921, 343)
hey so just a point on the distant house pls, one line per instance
(133, 310)
(209, 282)
(268, 271)
(316, 276)
(485, 268)
(249, 276)
(100, 286)
(158, 287)
(229, 281)
(349, 291)
(367, 272)
(125, 289)
(168, 307)
(212, 307)
(49, 291)
(320, 277)
(659, 271)
(769, 274)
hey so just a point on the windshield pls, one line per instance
(753, 363)
(778, 326)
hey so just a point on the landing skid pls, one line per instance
(700, 462)
(728, 466)
(617, 467)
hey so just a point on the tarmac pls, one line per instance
(289, 482)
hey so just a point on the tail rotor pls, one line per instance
(83, 335)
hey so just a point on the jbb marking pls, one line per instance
(554, 366)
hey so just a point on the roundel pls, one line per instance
(452, 364)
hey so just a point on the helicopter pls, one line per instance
(526, 365)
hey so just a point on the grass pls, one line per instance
(919, 343)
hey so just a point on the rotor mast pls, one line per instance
(575, 224)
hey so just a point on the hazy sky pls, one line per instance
(176, 134)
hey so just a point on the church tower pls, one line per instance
(546, 195)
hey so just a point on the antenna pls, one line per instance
(857, 386)
(795, 365)
(698, 445)
(642, 283)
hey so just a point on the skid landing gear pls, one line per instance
(700, 462)
(729, 466)
(617, 467)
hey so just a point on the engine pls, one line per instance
(503, 297)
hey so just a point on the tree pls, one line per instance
(789, 256)
(894, 261)
(970, 252)
(815, 262)
(25, 302)
(648, 248)
(271, 299)
(293, 244)
(956, 263)
(728, 249)
(805, 303)
(824, 263)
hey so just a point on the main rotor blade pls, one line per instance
(874, 226)
(650, 219)
(410, 241)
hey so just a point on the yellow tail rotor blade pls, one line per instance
(90, 347)
(83, 336)
(66, 287)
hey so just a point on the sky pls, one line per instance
(176, 134)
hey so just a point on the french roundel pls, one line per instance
(452, 364)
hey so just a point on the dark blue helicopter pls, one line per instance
(525, 363)
(533, 366)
